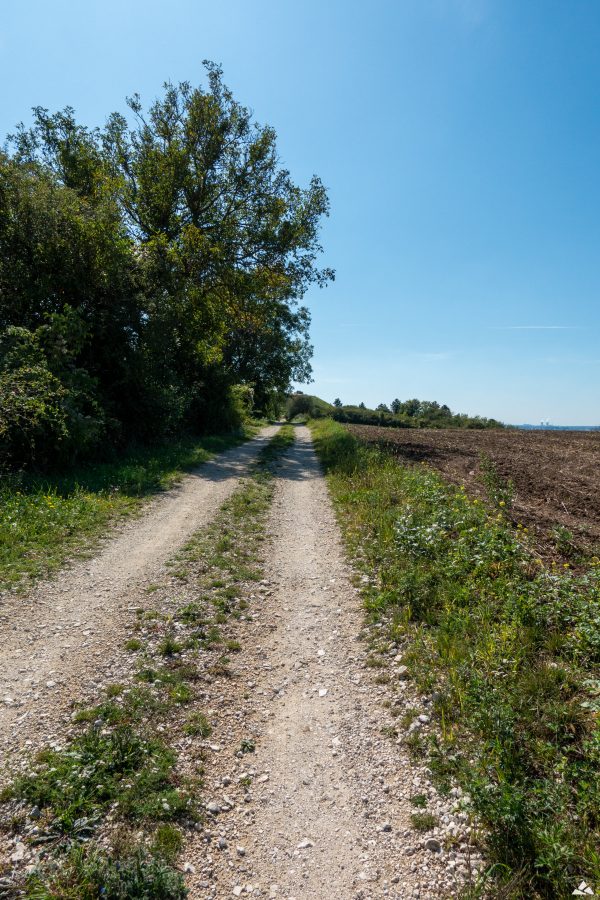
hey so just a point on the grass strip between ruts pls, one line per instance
(107, 813)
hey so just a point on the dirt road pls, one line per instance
(57, 639)
(308, 787)
(328, 812)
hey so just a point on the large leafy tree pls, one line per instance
(163, 258)
(225, 233)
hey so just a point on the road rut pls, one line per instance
(328, 812)
(54, 640)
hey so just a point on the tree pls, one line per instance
(411, 407)
(396, 406)
(166, 258)
(225, 233)
(337, 403)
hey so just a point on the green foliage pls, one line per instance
(198, 725)
(97, 770)
(306, 405)
(88, 875)
(510, 649)
(410, 414)
(150, 275)
(423, 821)
(45, 519)
(500, 492)
(167, 842)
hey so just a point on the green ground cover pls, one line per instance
(508, 650)
(118, 774)
(45, 520)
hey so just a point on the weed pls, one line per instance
(85, 875)
(181, 693)
(374, 662)
(247, 746)
(167, 842)
(96, 771)
(389, 731)
(169, 646)
(114, 690)
(133, 645)
(500, 491)
(423, 821)
(419, 800)
(198, 725)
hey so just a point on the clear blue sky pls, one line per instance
(459, 141)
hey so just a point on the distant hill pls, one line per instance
(300, 404)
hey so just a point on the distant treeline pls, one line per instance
(150, 274)
(399, 414)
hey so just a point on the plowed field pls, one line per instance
(556, 474)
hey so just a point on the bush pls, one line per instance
(33, 421)
(44, 418)
(306, 405)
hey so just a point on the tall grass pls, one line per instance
(45, 520)
(508, 650)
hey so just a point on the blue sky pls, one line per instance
(459, 141)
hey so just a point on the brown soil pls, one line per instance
(556, 474)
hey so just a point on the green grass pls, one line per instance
(508, 650)
(423, 821)
(77, 785)
(87, 875)
(119, 770)
(43, 521)
(198, 725)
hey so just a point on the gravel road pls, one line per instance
(328, 812)
(54, 640)
(308, 783)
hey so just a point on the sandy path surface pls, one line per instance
(322, 808)
(56, 640)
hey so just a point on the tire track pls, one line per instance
(56, 640)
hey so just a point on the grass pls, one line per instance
(508, 649)
(43, 521)
(138, 875)
(198, 725)
(119, 771)
(96, 771)
(423, 821)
